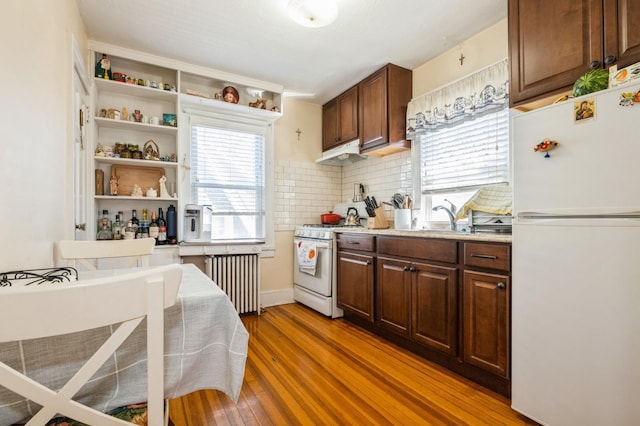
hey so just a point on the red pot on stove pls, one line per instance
(330, 218)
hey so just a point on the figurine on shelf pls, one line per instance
(259, 103)
(137, 116)
(113, 185)
(103, 68)
(163, 187)
(124, 114)
(137, 191)
(230, 94)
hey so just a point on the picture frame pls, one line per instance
(584, 110)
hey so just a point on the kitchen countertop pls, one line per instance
(494, 237)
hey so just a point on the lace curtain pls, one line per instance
(484, 91)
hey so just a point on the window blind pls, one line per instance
(228, 174)
(466, 155)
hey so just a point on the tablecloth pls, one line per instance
(205, 348)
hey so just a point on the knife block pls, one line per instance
(379, 221)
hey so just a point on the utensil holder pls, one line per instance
(379, 221)
(402, 219)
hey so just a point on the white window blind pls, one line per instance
(466, 155)
(228, 174)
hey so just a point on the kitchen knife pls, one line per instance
(375, 203)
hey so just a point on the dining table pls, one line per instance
(205, 342)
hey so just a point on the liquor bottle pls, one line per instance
(105, 216)
(162, 228)
(153, 227)
(104, 227)
(129, 231)
(144, 215)
(134, 219)
(172, 225)
(117, 227)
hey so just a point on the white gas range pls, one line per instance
(314, 263)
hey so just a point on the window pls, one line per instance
(461, 139)
(228, 173)
(455, 161)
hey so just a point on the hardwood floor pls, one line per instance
(306, 369)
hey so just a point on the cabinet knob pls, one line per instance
(81, 226)
(501, 285)
(368, 262)
(594, 65)
(406, 269)
(609, 59)
(412, 269)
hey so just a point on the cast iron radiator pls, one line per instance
(238, 275)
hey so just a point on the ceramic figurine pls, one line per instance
(163, 187)
(137, 191)
(103, 68)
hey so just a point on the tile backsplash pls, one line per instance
(306, 190)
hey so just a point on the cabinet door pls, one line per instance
(348, 115)
(551, 44)
(330, 124)
(622, 31)
(434, 300)
(393, 295)
(486, 321)
(355, 284)
(373, 92)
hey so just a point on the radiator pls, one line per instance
(238, 275)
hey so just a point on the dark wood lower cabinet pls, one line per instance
(393, 295)
(355, 275)
(434, 307)
(486, 321)
(446, 300)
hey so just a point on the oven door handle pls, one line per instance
(319, 244)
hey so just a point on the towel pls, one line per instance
(496, 199)
(307, 257)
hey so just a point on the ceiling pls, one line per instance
(257, 39)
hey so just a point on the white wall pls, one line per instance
(36, 102)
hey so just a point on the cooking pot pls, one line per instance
(330, 218)
(352, 217)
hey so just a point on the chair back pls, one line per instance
(124, 299)
(88, 254)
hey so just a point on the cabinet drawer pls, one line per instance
(492, 256)
(356, 242)
(419, 248)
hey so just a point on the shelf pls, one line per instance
(121, 88)
(132, 125)
(141, 163)
(227, 106)
(130, 198)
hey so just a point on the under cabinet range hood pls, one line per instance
(344, 154)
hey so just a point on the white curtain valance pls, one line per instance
(483, 91)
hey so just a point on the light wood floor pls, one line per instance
(306, 369)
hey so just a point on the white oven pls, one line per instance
(315, 286)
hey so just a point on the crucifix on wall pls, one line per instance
(461, 59)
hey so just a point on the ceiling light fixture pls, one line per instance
(313, 13)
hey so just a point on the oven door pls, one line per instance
(320, 281)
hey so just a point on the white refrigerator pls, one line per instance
(576, 263)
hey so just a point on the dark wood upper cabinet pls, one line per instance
(551, 44)
(340, 119)
(384, 97)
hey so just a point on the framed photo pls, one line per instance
(584, 110)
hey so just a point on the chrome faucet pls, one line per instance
(451, 212)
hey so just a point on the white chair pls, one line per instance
(87, 253)
(90, 304)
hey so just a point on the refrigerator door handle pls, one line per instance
(546, 216)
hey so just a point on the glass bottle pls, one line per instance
(134, 219)
(162, 228)
(129, 231)
(117, 227)
(105, 216)
(104, 233)
(153, 227)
